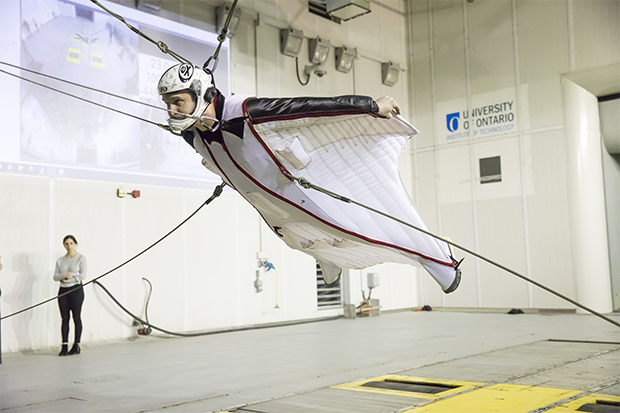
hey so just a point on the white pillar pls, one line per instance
(347, 294)
(586, 198)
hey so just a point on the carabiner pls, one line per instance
(205, 67)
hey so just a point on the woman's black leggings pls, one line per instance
(71, 302)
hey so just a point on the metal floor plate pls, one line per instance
(553, 376)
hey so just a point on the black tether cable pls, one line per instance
(216, 192)
(143, 322)
(297, 71)
(205, 333)
(308, 185)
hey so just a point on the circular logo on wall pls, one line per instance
(185, 72)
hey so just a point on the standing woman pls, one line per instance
(70, 271)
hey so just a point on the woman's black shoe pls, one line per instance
(63, 351)
(74, 350)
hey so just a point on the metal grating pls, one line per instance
(412, 386)
(327, 297)
(601, 406)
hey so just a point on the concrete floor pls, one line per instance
(282, 369)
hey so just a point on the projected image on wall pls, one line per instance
(72, 42)
(78, 42)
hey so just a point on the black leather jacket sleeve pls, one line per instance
(261, 110)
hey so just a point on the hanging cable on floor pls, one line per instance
(142, 329)
(216, 192)
(206, 333)
(308, 185)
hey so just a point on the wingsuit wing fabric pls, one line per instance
(335, 143)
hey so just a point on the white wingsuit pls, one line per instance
(339, 144)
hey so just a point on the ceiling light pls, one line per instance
(347, 9)
(344, 58)
(290, 41)
(318, 49)
(389, 73)
(222, 14)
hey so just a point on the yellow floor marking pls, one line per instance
(74, 55)
(499, 398)
(462, 386)
(96, 59)
(576, 404)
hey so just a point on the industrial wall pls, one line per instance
(203, 275)
(493, 165)
(503, 192)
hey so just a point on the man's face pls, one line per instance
(181, 101)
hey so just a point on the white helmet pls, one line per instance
(184, 76)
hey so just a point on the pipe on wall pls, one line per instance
(586, 198)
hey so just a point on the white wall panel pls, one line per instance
(243, 59)
(420, 73)
(454, 172)
(491, 64)
(543, 54)
(449, 54)
(393, 36)
(27, 268)
(596, 33)
(270, 63)
(549, 234)
(211, 261)
(296, 14)
(500, 228)
(368, 69)
(367, 30)
(397, 285)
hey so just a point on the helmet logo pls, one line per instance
(185, 72)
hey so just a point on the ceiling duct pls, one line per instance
(339, 10)
(347, 9)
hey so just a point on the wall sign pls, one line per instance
(490, 114)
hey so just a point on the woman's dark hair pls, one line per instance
(69, 237)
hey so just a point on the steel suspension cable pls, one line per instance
(308, 185)
(221, 38)
(163, 47)
(165, 127)
(85, 100)
(82, 86)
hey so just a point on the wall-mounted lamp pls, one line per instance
(290, 41)
(347, 9)
(221, 14)
(389, 73)
(344, 58)
(318, 49)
